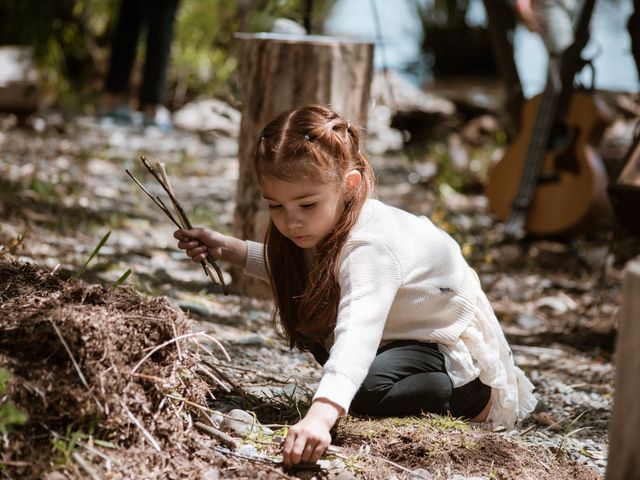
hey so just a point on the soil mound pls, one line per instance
(70, 349)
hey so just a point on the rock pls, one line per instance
(528, 321)
(216, 418)
(208, 115)
(240, 422)
(213, 474)
(342, 475)
(19, 91)
(287, 27)
(254, 339)
(461, 477)
(421, 474)
(558, 304)
(395, 92)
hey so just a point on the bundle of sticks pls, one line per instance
(159, 172)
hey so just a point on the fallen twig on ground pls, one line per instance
(226, 440)
(75, 365)
(154, 443)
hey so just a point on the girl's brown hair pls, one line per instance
(314, 144)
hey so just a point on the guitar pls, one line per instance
(550, 179)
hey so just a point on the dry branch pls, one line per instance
(159, 173)
(226, 440)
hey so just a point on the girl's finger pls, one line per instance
(309, 450)
(298, 448)
(287, 446)
(317, 452)
(188, 244)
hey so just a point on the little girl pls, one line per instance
(383, 299)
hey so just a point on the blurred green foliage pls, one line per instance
(10, 416)
(71, 39)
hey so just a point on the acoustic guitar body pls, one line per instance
(571, 185)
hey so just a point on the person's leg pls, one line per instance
(633, 26)
(409, 378)
(160, 17)
(123, 47)
(405, 378)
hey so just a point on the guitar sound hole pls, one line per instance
(567, 158)
(548, 177)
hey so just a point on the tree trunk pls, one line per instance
(624, 450)
(279, 73)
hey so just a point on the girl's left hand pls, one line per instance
(308, 439)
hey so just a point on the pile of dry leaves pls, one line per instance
(80, 369)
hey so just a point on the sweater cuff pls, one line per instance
(255, 265)
(337, 388)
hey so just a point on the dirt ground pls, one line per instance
(99, 405)
(114, 379)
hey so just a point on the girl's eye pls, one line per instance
(273, 207)
(309, 206)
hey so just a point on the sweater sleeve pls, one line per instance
(369, 278)
(256, 266)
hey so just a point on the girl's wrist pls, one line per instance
(234, 250)
(325, 410)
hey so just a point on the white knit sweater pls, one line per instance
(400, 277)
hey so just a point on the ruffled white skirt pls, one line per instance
(482, 351)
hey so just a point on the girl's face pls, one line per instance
(304, 212)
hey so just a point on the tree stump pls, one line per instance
(280, 72)
(624, 450)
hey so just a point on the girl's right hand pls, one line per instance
(197, 242)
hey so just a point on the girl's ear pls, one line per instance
(352, 181)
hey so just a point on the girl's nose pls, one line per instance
(292, 220)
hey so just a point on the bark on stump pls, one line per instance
(280, 72)
(624, 450)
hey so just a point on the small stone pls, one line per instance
(216, 418)
(213, 474)
(240, 422)
(420, 474)
(342, 475)
(461, 477)
(528, 321)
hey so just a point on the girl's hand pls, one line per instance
(197, 242)
(308, 439)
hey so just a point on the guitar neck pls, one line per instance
(553, 105)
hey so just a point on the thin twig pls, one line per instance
(175, 333)
(203, 369)
(154, 443)
(266, 376)
(156, 200)
(212, 339)
(14, 463)
(226, 451)
(84, 465)
(163, 180)
(225, 439)
(209, 262)
(75, 365)
(169, 342)
(235, 387)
